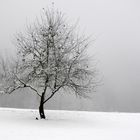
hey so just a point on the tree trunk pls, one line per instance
(41, 107)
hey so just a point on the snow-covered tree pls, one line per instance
(51, 57)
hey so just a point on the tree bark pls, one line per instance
(41, 107)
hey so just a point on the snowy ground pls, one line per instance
(20, 124)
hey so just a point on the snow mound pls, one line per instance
(21, 124)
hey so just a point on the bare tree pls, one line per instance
(51, 57)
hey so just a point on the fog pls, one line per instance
(115, 27)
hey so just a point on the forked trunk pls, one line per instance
(41, 107)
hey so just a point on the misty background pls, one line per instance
(115, 26)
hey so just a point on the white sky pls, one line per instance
(116, 26)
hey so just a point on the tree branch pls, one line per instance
(25, 85)
(53, 92)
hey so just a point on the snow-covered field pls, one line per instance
(20, 124)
